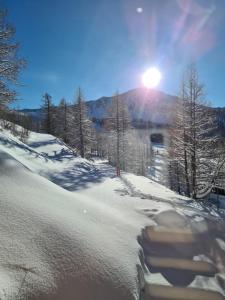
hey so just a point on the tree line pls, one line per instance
(115, 140)
(196, 154)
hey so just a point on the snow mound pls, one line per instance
(58, 246)
(76, 242)
(48, 156)
(148, 188)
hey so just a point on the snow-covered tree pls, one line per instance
(178, 147)
(10, 64)
(138, 153)
(62, 122)
(125, 148)
(48, 115)
(192, 142)
(216, 166)
(117, 125)
(81, 132)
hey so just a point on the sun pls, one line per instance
(151, 78)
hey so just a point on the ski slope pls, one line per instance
(69, 227)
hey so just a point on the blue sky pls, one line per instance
(104, 46)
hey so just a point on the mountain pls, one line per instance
(145, 105)
(34, 113)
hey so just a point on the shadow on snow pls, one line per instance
(81, 176)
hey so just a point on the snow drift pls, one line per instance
(76, 242)
(58, 246)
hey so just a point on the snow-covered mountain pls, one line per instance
(143, 104)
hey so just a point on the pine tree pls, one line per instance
(125, 148)
(117, 125)
(100, 143)
(138, 153)
(192, 141)
(48, 115)
(81, 130)
(200, 138)
(62, 125)
(10, 64)
(178, 150)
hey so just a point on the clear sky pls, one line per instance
(105, 45)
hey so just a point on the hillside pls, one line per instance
(70, 227)
(144, 105)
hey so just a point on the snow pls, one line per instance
(66, 240)
(148, 187)
(158, 171)
(46, 229)
(69, 226)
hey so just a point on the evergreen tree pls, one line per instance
(100, 144)
(62, 125)
(138, 153)
(48, 115)
(81, 130)
(125, 148)
(117, 125)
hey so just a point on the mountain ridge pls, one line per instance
(144, 105)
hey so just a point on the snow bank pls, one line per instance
(148, 187)
(79, 242)
(55, 245)
(46, 155)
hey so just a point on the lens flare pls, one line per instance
(139, 10)
(151, 78)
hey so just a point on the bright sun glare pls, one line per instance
(151, 77)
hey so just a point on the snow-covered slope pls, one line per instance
(143, 104)
(76, 242)
(158, 171)
(44, 154)
(56, 244)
